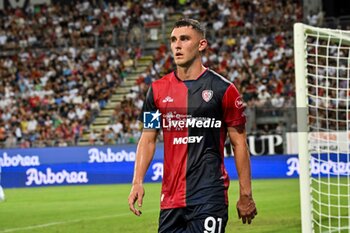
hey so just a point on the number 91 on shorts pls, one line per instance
(206, 218)
(212, 225)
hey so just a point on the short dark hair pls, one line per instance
(186, 22)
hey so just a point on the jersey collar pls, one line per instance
(204, 71)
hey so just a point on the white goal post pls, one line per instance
(322, 75)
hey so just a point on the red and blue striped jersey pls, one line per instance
(194, 121)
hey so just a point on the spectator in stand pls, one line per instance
(277, 101)
(263, 97)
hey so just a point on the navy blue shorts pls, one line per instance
(208, 218)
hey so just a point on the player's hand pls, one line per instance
(246, 208)
(136, 194)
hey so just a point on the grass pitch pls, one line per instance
(104, 209)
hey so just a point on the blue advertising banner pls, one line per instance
(73, 165)
(114, 164)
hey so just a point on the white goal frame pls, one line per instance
(300, 89)
(302, 117)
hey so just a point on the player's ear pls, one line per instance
(203, 44)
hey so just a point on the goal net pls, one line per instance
(322, 69)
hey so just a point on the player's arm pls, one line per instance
(245, 206)
(144, 155)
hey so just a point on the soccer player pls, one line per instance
(2, 194)
(199, 108)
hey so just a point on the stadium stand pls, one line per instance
(77, 73)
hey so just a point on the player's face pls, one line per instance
(186, 45)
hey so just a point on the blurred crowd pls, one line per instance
(50, 98)
(251, 44)
(58, 68)
(87, 23)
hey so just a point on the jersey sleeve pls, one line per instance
(148, 105)
(233, 107)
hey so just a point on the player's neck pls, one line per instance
(190, 73)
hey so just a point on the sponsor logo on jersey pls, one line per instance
(168, 99)
(187, 140)
(207, 95)
(151, 120)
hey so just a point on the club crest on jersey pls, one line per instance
(207, 95)
(239, 102)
